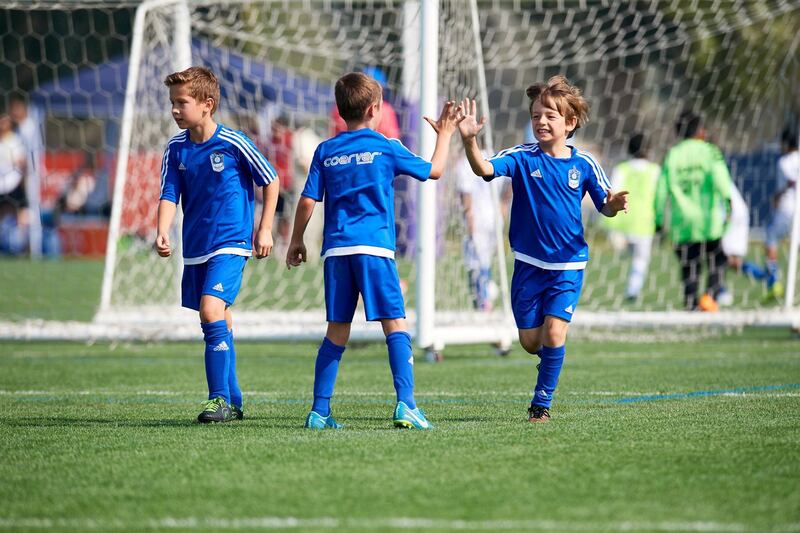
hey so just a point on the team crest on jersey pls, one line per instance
(217, 162)
(574, 177)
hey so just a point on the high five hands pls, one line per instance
(449, 119)
(468, 123)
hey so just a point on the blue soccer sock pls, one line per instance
(401, 360)
(325, 370)
(233, 381)
(772, 272)
(753, 270)
(549, 370)
(217, 359)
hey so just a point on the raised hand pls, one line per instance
(448, 119)
(468, 125)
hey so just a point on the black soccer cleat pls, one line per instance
(538, 414)
(215, 410)
(237, 412)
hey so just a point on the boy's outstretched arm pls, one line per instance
(262, 245)
(296, 253)
(166, 214)
(469, 126)
(444, 127)
(615, 202)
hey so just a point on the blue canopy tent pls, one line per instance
(246, 83)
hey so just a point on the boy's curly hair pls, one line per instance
(559, 94)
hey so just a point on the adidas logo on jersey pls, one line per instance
(536, 173)
(362, 158)
(569, 309)
(181, 167)
(218, 287)
(411, 360)
(221, 347)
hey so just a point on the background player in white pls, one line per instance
(482, 214)
(780, 225)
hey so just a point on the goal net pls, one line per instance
(640, 64)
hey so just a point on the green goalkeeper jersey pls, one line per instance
(696, 182)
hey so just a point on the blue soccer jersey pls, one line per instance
(214, 183)
(546, 227)
(354, 174)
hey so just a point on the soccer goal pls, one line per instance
(639, 63)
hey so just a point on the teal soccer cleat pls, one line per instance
(314, 420)
(405, 417)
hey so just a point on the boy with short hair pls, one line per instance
(549, 180)
(353, 173)
(210, 169)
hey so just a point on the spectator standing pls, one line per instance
(30, 134)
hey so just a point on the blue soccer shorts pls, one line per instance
(778, 227)
(220, 276)
(375, 278)
(536, 292)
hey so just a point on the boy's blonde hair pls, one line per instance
(355, 92)
(559, 94)
(201, 83)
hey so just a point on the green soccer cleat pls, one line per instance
(215, 410)
(775, 293)
(237, 412)
(314, 420)
(405, 417)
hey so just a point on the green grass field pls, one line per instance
(646, 436)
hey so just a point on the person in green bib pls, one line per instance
(635, 230)
(695, 188)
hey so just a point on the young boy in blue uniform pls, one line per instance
(211, 170)
(549, 180)
(353, 173)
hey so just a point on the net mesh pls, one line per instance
(638, 63)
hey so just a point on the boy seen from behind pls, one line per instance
(549, 179)
(210, 169)
(353, 173)
(696, 185)
(639, 177)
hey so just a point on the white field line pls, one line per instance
(370, 394)
(285, 395)
(278, 522)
